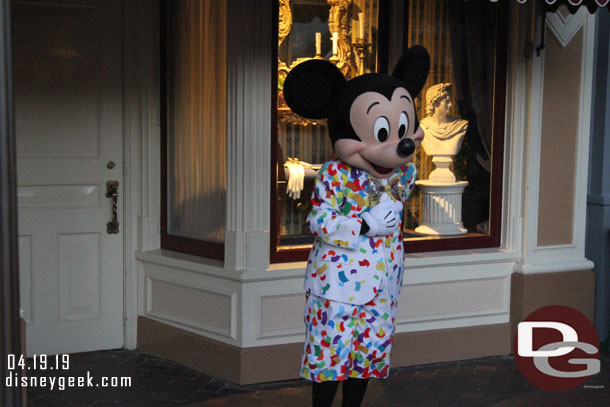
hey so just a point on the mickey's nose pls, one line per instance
(405, 148)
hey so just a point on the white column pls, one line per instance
(249, 80)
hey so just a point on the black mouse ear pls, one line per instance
(311, 88)
(412, 68)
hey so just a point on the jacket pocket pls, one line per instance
(340, 255)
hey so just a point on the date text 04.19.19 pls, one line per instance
(39, 362)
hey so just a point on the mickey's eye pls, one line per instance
(403, 125)
(381, 130)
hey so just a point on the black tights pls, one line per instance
(353, 392)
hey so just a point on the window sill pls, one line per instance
(216, 268)
(461, 257)
(279, 271)
(182, 261)
(431, 259)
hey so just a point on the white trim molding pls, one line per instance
(521, 33)
(249, 86)
(565, 27)
(140, 149)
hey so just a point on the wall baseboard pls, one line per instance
(281, 362)
(530, 292)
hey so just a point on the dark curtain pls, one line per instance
(472, 26)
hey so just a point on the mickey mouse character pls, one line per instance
(355, 267)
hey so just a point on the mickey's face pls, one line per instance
(371, 118)
(386, 131)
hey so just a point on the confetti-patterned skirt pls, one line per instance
(346, 340)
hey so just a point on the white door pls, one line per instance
(68, 108)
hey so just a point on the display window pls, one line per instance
(193, 126)
(457, 202)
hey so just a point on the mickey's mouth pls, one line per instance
(379, 168)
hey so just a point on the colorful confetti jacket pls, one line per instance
(344, 265)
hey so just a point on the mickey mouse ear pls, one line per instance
(412, 68)
(311, 88)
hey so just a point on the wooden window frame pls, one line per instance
(433, 244)
(181, 244)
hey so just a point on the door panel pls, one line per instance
(68, 111)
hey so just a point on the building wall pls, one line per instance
(554, 269)
(598, 202)
(249, 312)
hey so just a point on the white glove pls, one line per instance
(296, 177)
(397, 207)
(382, 219)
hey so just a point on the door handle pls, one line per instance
(112, 192)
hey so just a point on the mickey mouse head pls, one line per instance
(372, 120)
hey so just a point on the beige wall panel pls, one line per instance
(440, 300)
(190, 305)
(562, 71)
(282, 314)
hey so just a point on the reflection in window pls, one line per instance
(345, 33)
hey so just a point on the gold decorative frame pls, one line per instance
(338, 20)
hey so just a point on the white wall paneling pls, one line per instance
(272, 311)
(279, 315)
(197, 302)
(193, 306)
(270, 303)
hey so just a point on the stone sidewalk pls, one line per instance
(493, 381)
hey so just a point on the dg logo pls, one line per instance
(556, 348)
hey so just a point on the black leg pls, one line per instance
(323, 393)
(353, 392)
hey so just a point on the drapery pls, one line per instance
(197, 120)
(472, 26)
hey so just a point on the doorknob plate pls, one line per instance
(112, 192)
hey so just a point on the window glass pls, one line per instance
(455, 109)
(345, 33)
(196, 119)
(457, 201)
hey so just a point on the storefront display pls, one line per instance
(354, 36)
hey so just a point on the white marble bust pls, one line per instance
(443, 134)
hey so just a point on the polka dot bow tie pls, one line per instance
(395, 188)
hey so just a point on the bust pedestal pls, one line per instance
(441, 207)
(442, 173)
